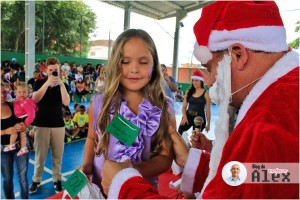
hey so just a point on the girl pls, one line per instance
(99, 84)
(73, 89)
(24, 108)
(80, 89)
(134, 93)
(76, 109)
(88, 84)
(198, 101)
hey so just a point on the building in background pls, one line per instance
(99, 49)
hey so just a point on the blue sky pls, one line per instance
(110, 19)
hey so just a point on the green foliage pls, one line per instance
(65, 23)
(295, 43)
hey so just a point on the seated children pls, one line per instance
(81, 120)
(71, 129)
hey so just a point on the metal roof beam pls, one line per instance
(147, 9)
(172, 5)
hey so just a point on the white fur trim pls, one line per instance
(262, 38)
(197, 78)
(286, 64)
(120, 178)
(202, 53)
(222, 124)
(190, 169)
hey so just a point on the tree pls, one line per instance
(62, 21)
(295, 44)
(13, 25)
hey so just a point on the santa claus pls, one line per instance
(243, 46)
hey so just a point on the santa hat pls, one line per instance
(255, 24)
(197, 75)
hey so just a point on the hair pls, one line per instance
(75, 105)
(52, 61)
(22, 85)
(67, 113)
(101, 76)
(36, 72)
(192, 90)
(153, 92)
(82, 107)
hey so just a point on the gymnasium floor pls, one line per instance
(73, 157)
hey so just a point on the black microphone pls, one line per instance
(198, 121)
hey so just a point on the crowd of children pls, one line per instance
(76, 123)
(80, 82)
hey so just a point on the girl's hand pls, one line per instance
(207, 128)
(87, 169)
(184, 120)
(180, 148)
(109, 170)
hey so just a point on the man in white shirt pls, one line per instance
(234, 179)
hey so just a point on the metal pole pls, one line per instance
(180, 14)
(80, 34)
(127, 11)
(109, 45)
(43, 36)
(29, 39)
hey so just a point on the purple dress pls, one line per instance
(147, 119)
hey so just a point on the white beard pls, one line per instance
(220, 93)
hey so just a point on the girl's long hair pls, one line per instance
(101, 76)
(153, 92)
(192, 90)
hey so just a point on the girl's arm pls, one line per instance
(89, 152)
(161, 163)
(156, 165)
(180, 148)
(207, 108)
(30, 109)
(96, 83)
(183, 110)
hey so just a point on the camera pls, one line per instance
(54, 73)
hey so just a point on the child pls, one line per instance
(99, 84)
(76, 109)
(73, 89)
(71, 128)
(135, 92)
(80, 89)
(24, 108)
(179, 96)
(81, 120)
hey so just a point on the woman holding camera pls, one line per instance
(49, 94)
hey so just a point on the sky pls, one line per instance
(110, 19)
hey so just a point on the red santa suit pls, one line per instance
(267, 131)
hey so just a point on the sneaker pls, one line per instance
(22, 151)
(69, 139)
(77, 137)
(58, 187)
(34, 186)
